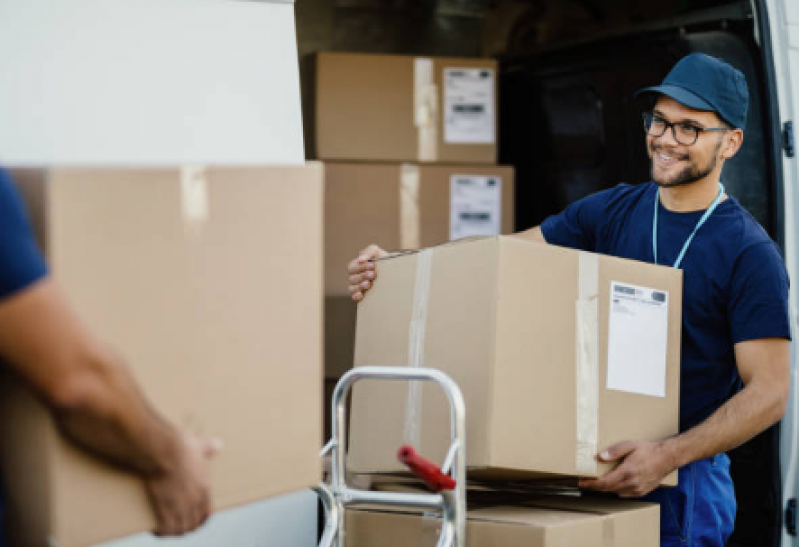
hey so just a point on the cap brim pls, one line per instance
(679, 94)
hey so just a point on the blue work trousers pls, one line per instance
(700, 512)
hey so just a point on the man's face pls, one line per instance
(675, 164)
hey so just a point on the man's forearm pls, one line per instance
(750, 411)
(109, 416)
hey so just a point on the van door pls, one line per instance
(779, 25)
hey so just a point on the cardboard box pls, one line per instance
(558, 353)
(189, 275)
(405, 108)
(541, 522)
(400, 207)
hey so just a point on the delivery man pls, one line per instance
(93, 397)
(736, 338)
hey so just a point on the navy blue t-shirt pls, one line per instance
(735, 281)
(21, 262)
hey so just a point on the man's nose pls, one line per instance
(668, 138)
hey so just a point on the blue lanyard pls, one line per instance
(690, 237)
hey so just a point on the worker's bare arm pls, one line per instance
(764, 367)
(98, 405)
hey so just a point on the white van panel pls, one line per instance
(131, 82)
(286, 521)
(784, 27)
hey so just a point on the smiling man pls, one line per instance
(735, 367)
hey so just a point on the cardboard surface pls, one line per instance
(541, 522)
(224, 338)
(502, 322)
(366, 109)
(363, 205)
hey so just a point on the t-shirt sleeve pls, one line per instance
(577, 226)
(758, 297)
(21, 261)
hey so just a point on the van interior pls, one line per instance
(570, 125)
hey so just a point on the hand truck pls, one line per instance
(449, 481)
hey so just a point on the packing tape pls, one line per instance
(425, 109)
(587, 363)
(410, 214)
(194, 195)
(431, 528)
(416, 339)
(608, 531)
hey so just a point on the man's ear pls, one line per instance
(732, 143)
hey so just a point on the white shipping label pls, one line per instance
(637, 339)
(469, 106)
(475, 206)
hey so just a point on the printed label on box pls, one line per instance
(637, 339)
(469, 106)
(475, 206)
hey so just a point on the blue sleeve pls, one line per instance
(21, 261)
(758, 295)
(578, 225)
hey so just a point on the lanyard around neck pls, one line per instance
(702, 220)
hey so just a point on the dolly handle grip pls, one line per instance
(426, 470)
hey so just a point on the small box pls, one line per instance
(399, 108)
(546, 521)
(400, 207)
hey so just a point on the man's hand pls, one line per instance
(643, 465)
(180, 496)
(362, 273)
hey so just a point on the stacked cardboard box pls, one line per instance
(558, 353)
(436, 115)
(192, 275)
(539, 521)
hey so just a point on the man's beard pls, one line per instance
(688, 175)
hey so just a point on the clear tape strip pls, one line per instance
(410, 214)
(587, 366)
(425, 102)
(194, 195)
(416, 343)
(608, 531)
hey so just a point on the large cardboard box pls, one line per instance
(540, 522)
(558, 353)
(400, 206)
(405, 108)
(192, 276)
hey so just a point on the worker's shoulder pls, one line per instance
(750, 240)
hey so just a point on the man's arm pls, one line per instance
(764, 367)
(97, 404)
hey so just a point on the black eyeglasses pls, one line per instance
(684, 133)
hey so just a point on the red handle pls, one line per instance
(426, 470)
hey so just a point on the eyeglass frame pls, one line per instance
(670, 125)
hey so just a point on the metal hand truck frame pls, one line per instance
(449, 482)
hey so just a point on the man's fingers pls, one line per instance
(212, 447)
(610, 482)
(617, 451)
(357, 296)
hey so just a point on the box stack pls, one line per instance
(558, 353)
(190, 275)
(410, 150)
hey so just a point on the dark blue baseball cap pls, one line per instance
(703, 82)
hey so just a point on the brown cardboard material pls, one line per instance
(541, 522)
(367, 109)
(220, 329)
(502, 321)
(363, 205)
